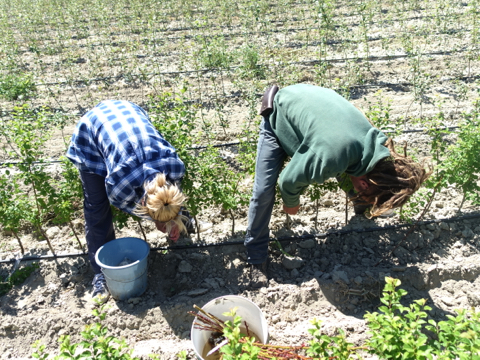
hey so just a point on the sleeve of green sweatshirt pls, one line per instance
(303, 169)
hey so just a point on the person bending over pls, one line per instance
(325, 136)
(125, 162)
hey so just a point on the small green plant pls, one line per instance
(236, 349)
(227, 191)
(379, 113)
(417, 203)
(96, 344)
(329, 347)
(17, 278)
(13, 205)
(182, 355)
(69, 196)
(249, 66)
(461, 167)
(397, 331)
(214, 53)
(17, 86)
(316, 191)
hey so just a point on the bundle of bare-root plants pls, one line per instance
(218, 339)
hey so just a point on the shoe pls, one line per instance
(258, 275)
(100, 293)
(388, 213)
(360, 209)
(203, 226)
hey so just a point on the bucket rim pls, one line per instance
(232, 297)
(136, 262)
(196, 332)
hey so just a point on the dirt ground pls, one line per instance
(336, 277)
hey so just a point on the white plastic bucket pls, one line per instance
(249, 312)
(129, 280)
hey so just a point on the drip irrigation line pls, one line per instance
(283, 238)
(5, 113)
(201, 147)
(82, 111)
(232, 35)
(231, 68)
(44, 257)
(448, 128)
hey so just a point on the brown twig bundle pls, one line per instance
(208, 322)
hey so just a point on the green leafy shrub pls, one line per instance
(461, 167)
(96, 344)
(398, 331)
(26, 133)
(214, 53)
(13, 205)
(17, 86)
(250, 67)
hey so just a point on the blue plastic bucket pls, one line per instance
(124, 281)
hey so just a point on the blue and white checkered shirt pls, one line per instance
(116, 140)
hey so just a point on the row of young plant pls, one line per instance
(143, 56)
(396, 331)
(33, 195)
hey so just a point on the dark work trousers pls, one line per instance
(269, 163)
(98, 215)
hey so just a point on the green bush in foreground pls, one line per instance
(396, 332)
(96, 344)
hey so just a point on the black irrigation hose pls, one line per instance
(283, 238)
(155, 41)
(5, 113)
(201, 147)
(231, 68)
(82, 111)
(246, 34)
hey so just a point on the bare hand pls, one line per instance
(174, 233)
(292, 210)
(161, 226)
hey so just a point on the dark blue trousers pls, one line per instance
(269, 163)
(98, 215)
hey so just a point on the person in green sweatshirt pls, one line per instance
(325, 136)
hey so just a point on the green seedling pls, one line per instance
(17, 278)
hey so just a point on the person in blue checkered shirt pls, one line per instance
(124, 161)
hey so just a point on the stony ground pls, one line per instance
(336, 277)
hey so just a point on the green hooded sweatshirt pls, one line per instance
(325, 136)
